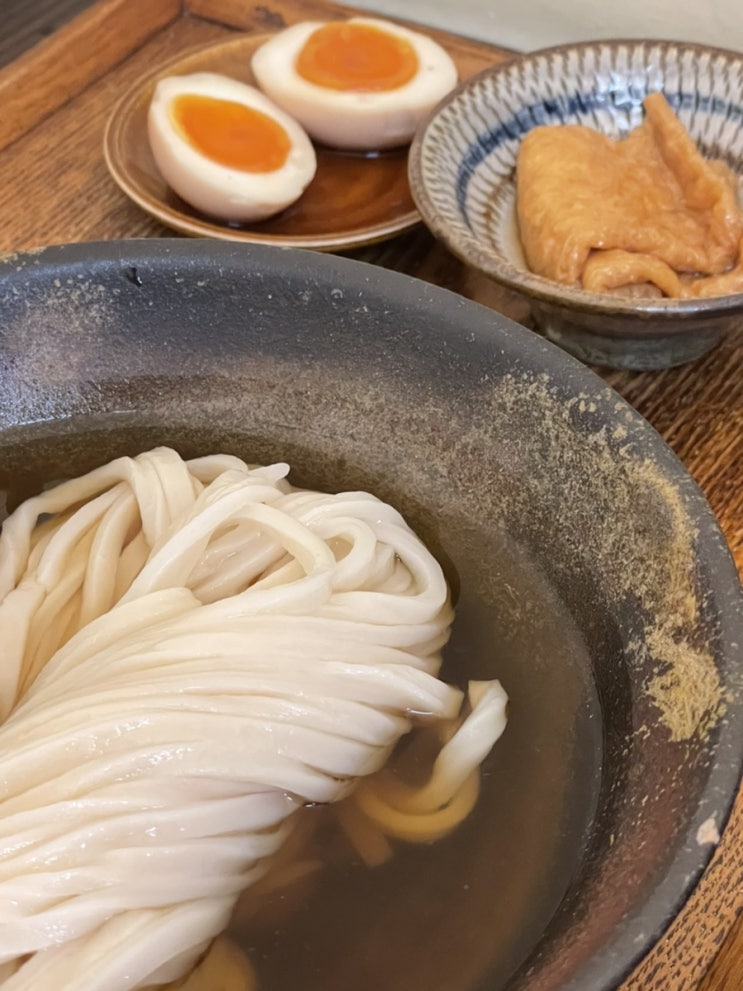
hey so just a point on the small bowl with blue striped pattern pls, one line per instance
(462, 169)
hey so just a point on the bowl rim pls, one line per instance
(470, 250)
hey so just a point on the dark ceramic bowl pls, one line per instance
(462, 176)
(590, 577)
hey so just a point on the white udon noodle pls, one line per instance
(190, 653)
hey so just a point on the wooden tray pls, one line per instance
(55, 188)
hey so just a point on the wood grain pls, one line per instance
(724, 974)
(68, 196)
(59, 67)
(24, 27)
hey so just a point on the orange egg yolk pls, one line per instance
(360, 57)
(230, 133)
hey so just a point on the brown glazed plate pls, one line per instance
(354, 199)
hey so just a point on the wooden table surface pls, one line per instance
(54, 187)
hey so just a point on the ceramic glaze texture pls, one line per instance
(588, 571)
(463, 173)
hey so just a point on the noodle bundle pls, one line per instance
(190, 653)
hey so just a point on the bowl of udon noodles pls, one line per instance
(601, 182)
(351, 636)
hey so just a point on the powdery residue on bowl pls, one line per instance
(708, 833)
(687, 688)
(686, 685)
(648, 559)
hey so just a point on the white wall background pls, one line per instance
(528, 24)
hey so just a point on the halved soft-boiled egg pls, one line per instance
(359, 84)
(226, 149)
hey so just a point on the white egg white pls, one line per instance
(218, 190)
(351, 119)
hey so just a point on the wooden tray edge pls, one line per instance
(44, 78)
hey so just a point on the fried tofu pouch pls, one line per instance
(602, 213)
